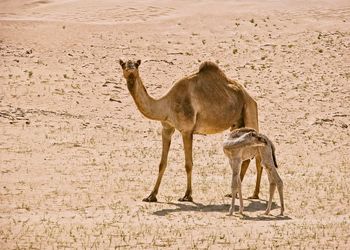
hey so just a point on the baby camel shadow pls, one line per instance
(253, 206)
(264, 217)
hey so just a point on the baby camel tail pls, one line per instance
(205, 102)
(245, 144)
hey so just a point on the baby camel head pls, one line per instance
(130, 68)
(246, 136)
(254, 139)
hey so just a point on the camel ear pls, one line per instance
(251, 134)
(261, 139)
(122, 63)
(138, 62)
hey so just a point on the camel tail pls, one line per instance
(268, 142)
(273, 150)
(274, 157)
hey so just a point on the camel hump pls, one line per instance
(208, 66)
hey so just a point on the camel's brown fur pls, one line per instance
(205, 102)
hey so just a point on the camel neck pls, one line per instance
(148, 106)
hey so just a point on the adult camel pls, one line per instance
(205, 102)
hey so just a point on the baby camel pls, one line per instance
(246, 143)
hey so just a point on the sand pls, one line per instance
(77, 157)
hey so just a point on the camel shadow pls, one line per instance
(192, 206)
(253, 206)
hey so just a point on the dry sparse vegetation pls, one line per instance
(75, 165)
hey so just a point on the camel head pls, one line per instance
(130, 68)
(256, 139)
(249, 138)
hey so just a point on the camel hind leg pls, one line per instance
(244, 168)
(271, 191)
(275, 180)
(279, 183)
(250, 118)
(187, 138)
(259, 170)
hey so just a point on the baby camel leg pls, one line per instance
(279, 183)
(275, 180)
(272, 191)
(240, 197)
(236, 185)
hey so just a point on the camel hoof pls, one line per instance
(150, 198)
(186, 198)
(230, 212)
(230, 195)
(254, 196)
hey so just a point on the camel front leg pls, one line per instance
(232, 207)
(259, 170)
(187, 141)
(236, 186)
(244, 168)
(240, 198)
(167, 132)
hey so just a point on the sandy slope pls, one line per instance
(76, 156)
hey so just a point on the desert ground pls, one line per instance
(77, 157)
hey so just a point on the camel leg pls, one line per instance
(275, 180)
(236, 186)
(259, 170)
(167, 132)
(233, 192)
(232, 207)
(279, 183)
(250, 117)
(280, 192)
(244, 168)
(272, 189)
(240, 198)
(187, 141)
